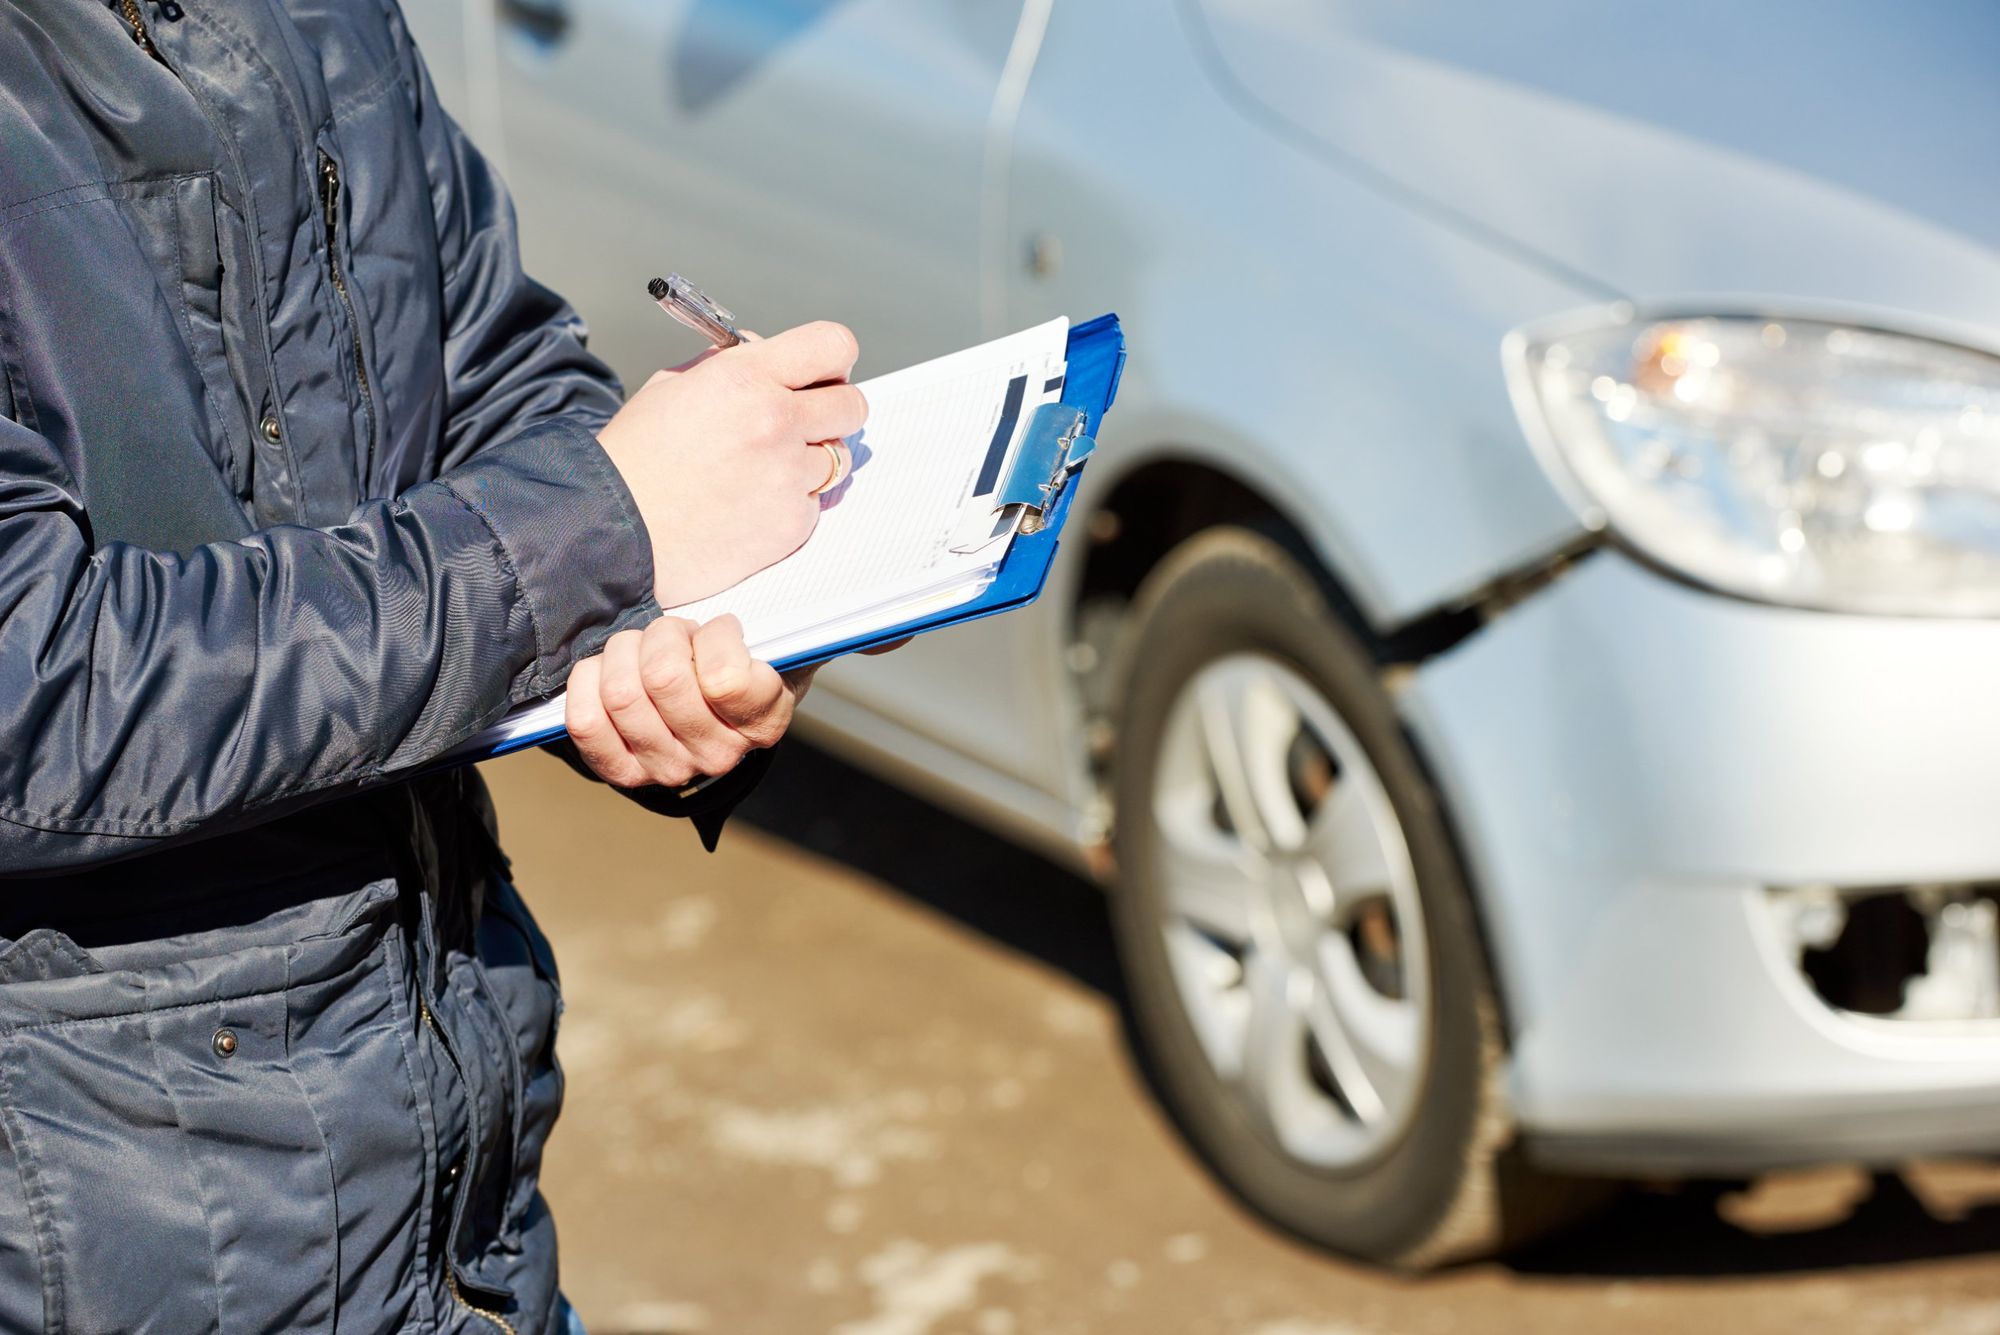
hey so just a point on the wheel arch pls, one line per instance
(1155, 506)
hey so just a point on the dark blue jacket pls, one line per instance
(298, 488)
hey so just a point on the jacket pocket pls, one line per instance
(117, 1204)
(196, 243)
(173, 1170)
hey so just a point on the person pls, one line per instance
(302, 483)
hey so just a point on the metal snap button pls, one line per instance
(271, 432)
(451, 1173)
(224, 1043)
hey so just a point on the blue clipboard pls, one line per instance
(1096, 358)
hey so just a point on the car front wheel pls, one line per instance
(1306, 978)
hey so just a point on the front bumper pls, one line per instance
(1629, 764)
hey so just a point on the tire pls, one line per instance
(1395, 1149)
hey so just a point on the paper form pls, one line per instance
(938, 438)
(886, 533)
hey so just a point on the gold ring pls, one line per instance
(837, 461)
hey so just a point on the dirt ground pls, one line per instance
(861, 1072)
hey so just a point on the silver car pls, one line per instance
(1525, 657)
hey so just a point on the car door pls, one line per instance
(797, 159)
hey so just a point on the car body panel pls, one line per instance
(1289, 329)
(1630, 762)
(1756, 150)
(1306, 333)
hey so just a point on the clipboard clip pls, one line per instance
(1052, 449)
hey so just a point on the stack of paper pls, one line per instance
(911, 532)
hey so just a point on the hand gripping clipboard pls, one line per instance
(1041, 482)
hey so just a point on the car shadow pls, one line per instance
(1028, 904)
(1009, 895)
(1683, 1234)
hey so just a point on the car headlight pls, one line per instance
(1794, 461)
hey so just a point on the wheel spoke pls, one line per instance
(1220, 1004)
(1217, 701)
(1269, 725)
(1248, 724)
(1348, 845)
(1207, 881)
(1274, 1064)
(1378, 1037)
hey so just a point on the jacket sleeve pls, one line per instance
(516, 354)
(148, 696)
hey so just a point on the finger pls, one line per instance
(889, 648)
(744, 693)
(646, 730)
(667, 667)
(590, 728)
(831, 412)
(797, 682)
(811, 354)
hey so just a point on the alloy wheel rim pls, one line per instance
(1293, 926)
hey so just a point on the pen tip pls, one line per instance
(658, 289)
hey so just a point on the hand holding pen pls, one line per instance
(695, 309)
(725, 455)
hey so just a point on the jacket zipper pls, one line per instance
(173, 11)
(451, 1275)
(451, 1283)
(329, 180)
(138, 22)
(136, 17)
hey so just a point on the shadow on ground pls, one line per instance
(1013, 897)
(1655, 1235)
(1025, 903)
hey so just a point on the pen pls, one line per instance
(692, 307)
